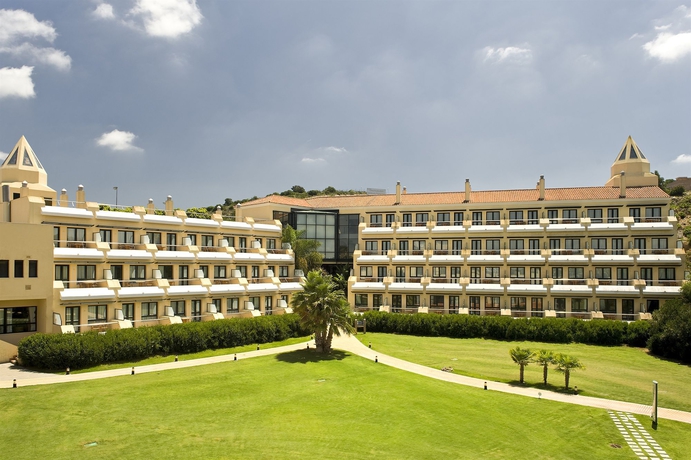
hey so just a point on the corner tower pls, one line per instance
(634, 165)
(22, 165)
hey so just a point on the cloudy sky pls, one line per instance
(213, 99)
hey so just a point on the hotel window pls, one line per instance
(403, 247)
(639, 243)
(375, 220)
(193, 239)
(366, 272)
(647, 274)
(377, 301)
(536, 307)
(558, 275)
(421, 219)
(517, 272)
(659, 245)
(381, 273)
(207, 240)
(255, 271)
(232, 305)
(196, 310)
(407, 220)
(242, 243)
(400, 274)
(19, 269)
(62, 272)
(573, 245)
(219, 271)
(627, 309)
(86, 272)
(128, 311)
(260, 241)
(257, 302)
(443, 218)
(492, 303)
(436, 302)
(653, 214)
(166, 271)
(385, 246)
(569, 216)
(439, 272)
(554, 244)
(361, 300)
(243, 270)
(178, 307)
(454, 304)
(412, 301)
(492, 272)
(456, 247)
(666, 274)
(116, 272)
(125, 237)
(149, 310)
(396, 302)
(171, 241)
(516, 246)
(579, 305)
(106, 236)
(416, 273)
(492, 246)
(283, 271)
(604, 274)
(635, 213)
(475, 274)
(475, 247)
(560, 306)
(535, 275)
(455, 274)
(390, 219)
(56, 237)
(96, 314)
(371, 247)
(518, 303)
(477, 218)
(532, 218)
(183, 275)
(516, 218)
(441, 247)
(595, 216)
(534, 246)
(271, 243)
(76, 234)
(33, 269)
(622, 276)
(474, 304)
(154, 237)
(72, 317)
(553, 216)
(617, 246)
(218, 303)
(137, 272)
(599, 245)
(608, 306)
(612, 216)
(458, 218)
(418, 247)
(492, 217)
(230, 240)
(575, 273)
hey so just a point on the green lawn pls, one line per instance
(621, 373)
(185, 357)
(294, 405)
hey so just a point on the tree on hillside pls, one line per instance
(306, 256)
(322, 309)
(566, 364)
(671, 334)
(544, 358)
(522, 357)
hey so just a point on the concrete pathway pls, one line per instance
(9, 372)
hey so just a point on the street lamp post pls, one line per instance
(116, 195)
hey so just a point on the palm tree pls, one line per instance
(522, 357)
(566, 364)
(322, 309)
(306, 256)
(544, 358)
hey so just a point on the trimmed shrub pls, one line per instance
(77, 351)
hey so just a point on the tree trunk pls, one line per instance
(320, 341)
(522, 368)
(566, 378)
(544, 374)
(329, 339)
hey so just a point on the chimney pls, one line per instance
(64, 199)
(169, 206)
(238, 213)
(150, 208)
(24, 191)
(467, 190)
(398, 192)
(541, 186)
(81, 197)
(405, 190)
(622, 185)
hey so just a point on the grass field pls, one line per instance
(620, 373)
(295, 405)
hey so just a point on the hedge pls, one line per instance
(554, 330)
(78, 351)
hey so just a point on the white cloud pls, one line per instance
(511, 54)
(3, 155)
(665, 27)
(313, 160)
(104, 11)
(333, 149)
(669, 47)
(683, 158)
(17, 24)
(50, 56)
(167, 18)
(16, 82)
(119, 141)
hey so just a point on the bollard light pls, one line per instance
(376, 359)
(370, 345)
(67, 371)
(485, 385)
(132, 370)
(257, 347)
(575, 389)
(235, 358)
(14, 383)
(308, 346)
(176, 358)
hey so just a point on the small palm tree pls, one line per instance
(544, 358)
(566, 364)
(522, 357)
(322, 309)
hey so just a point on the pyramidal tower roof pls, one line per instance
(635, 166)
(630, 151)
(22, 164)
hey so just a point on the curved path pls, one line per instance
(24, 377)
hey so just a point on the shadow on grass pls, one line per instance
(310, 356)
(548, 387)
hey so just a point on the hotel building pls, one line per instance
(68, 266)
(588, 252)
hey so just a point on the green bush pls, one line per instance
(77, 351)
(677, 191)
(555, 330)
(671, 331)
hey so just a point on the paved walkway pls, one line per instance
(8, 372)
